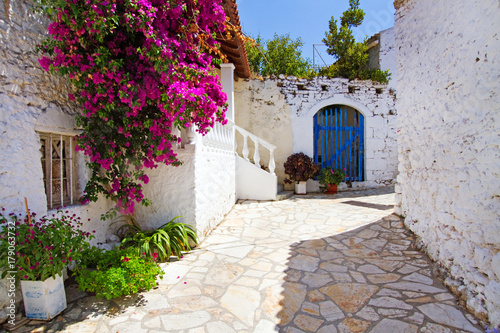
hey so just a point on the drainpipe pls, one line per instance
(227, 81)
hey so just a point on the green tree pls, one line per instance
(352, 56)
(255, 55)
(280, 55)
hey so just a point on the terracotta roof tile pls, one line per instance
(234, 48)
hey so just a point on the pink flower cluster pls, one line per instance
(139, 68)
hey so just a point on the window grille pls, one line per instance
(58, 165)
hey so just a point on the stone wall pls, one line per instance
(281, 110)
(374, 101)
(449, 138)
(32, 100)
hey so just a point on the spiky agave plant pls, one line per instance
(170, 239)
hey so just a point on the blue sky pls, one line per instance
(308, 19)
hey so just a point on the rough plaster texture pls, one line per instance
(201, 190)
(167, 202)
(263, 111)
(387, 55)
(375, 102)
(215, 186)
(449, 155)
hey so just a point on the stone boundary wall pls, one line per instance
(281, 109)
(375, 101)
(449, 141)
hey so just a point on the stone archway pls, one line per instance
(303, 123)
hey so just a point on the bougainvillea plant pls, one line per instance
(37, 249)
(140, 68)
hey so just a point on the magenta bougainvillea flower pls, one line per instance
(139, 67)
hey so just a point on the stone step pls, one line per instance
(283, 195)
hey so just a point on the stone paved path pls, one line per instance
(312, 263)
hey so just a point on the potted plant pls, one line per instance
(299, 167)
(330, 178)
(36, 252)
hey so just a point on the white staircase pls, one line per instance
(254, 181)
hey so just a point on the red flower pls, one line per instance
(125, 259)
(155, 255)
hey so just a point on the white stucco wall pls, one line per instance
(449, 140)
(375, 102)
(171, 190)
(262, 110)
(215, 187)
(387, 55)
(201, 190)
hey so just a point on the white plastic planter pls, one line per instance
(300, 187)
(44, 299)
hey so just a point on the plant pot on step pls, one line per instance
(301, 187)
(44, 299)
(331, 189)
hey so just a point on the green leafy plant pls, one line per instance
(300, 167)
(331, 176)
(39, 249)
(118, 272)
(170, 239)
(352, 57)
(279, 55)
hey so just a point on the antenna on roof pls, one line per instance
(315, 50)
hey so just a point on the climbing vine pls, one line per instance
(140, 67)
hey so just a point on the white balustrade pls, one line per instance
(220, 136)
(257, 143)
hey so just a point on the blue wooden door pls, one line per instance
(338, 140)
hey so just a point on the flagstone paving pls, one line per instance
(314, 263)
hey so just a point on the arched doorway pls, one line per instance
(338, 140)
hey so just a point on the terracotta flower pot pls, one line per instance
(331, 188)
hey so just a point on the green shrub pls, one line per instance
(329, 176)
(118, 272)
(170, 239)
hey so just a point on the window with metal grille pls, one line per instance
(59, 169)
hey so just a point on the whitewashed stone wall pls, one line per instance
(449, 137)
(374, 101)
(32, 100)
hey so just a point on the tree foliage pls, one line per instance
(279, 55)
(352, 56)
